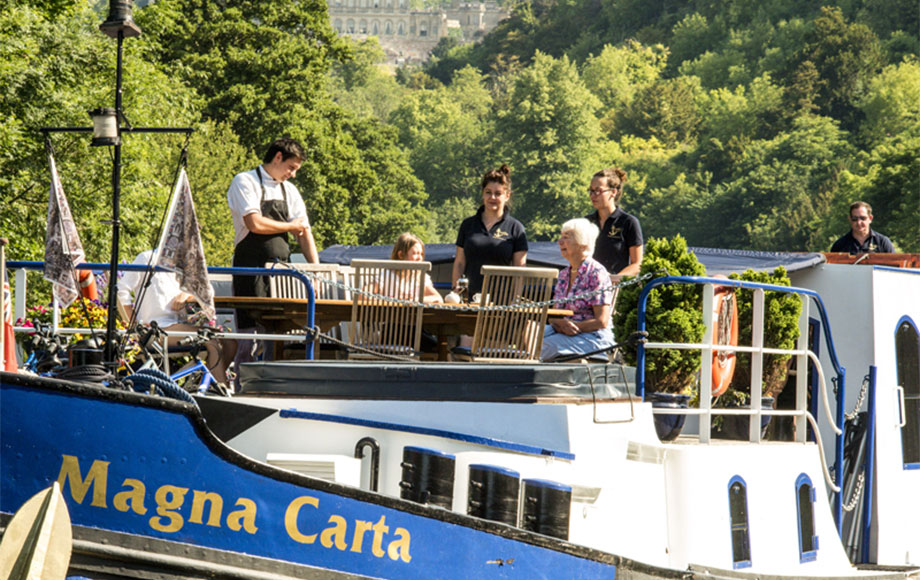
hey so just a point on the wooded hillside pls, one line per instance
(741, 124)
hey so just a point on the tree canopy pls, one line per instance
(740, 124)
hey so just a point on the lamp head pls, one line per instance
(120, 19)
(105, 127)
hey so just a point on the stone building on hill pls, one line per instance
(408, 35)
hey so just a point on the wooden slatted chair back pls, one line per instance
(515, 334)
(380, 324)
(291, 287)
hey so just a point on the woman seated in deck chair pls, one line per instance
(588, 329)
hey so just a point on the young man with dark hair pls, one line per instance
(266, 207)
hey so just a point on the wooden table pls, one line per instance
(280, 315)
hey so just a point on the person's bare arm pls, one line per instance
(259, 224)
(308, 246)
(635, 262)
(519, 258)
(459, 267)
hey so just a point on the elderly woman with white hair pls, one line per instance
(588, 329)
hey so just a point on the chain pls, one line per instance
(317, 334)
(859, 400)
(314, 277)
(860, 479)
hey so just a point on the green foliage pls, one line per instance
(780, 330)
(549, 136)
(448, 133)
(846, 56)
(666, 110)
(673, 314)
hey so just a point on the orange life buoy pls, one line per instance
(725, 316)
(88, 285)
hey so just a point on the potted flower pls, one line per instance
(673, 314)
(781, 330)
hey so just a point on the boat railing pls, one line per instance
(19, 298)
(803, 355)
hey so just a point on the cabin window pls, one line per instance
(907, 355)
(805, 502)
(741, 533)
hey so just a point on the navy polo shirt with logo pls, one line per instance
(489, 247)
(876, 242)
(620, 232)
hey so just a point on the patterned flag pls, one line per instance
(9, 339)
(63, 249)
(180, 248)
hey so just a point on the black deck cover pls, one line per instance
(438, 381)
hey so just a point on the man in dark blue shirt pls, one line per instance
(861, 238)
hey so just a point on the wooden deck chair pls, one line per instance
(516, 334)
(378, 323)
(283, 286)
(290, 287)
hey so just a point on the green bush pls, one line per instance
(781, 330)
(673, 314)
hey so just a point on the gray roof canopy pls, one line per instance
(546, 254)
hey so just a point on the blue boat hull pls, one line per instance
(145, 473)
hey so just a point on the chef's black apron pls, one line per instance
(255, 250)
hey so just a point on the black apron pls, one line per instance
(255, 250)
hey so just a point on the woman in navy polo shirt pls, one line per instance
(491, 237)
(619, 245)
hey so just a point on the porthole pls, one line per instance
(805, 503)
(740, 529)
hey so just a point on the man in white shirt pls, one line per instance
(266, 208)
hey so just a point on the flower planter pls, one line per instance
(669, 426)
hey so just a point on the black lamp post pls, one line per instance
(119, 25)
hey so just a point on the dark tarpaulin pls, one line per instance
(547, 254)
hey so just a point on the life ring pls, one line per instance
(725, 316)
(88, 285)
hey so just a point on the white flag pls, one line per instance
(180, 248)
(63, 249)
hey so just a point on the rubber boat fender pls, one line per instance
(725, 315)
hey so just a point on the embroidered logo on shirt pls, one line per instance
(500, 235)
(615, 232)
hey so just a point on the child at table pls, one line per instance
(409, 248)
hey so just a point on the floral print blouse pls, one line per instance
(591, 276)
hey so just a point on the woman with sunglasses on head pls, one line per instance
(491, 237)
(619, 244)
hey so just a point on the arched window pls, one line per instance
(401, 28)
(338, 25)
(907, 360)
(362, 27)
(375, 28)
(738, 513)
(388, 3)
(423, 29)
(388, 27)
(350, 26)
(805, 502)
(402, 3)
